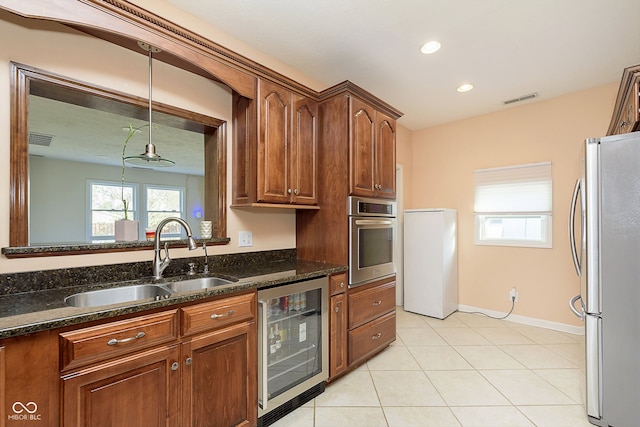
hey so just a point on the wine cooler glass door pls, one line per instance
(293, 340)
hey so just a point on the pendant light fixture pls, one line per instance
(149, 158)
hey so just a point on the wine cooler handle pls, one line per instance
(262, 401)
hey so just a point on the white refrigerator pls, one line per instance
(430, 262)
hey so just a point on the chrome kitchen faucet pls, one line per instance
(159, 263)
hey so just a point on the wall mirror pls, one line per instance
(58, 165)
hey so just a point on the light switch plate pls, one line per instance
(245, 238)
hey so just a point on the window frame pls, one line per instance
(546, 231)
(133, 210)
(546, 216)
(145, 208)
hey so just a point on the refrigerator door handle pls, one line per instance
(572, 306)
(263, 397)
(572, 232)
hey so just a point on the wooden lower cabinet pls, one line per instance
(370, 338)
(205, 376)
(372, 319)
(29, 381)
(338, 326)
(338, 360)
(139, 390)
(219, 384)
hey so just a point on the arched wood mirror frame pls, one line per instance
(124, 24)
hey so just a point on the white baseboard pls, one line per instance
(531, 321)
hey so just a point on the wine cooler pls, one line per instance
(292, 347)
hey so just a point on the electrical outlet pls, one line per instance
(513, 295)
(245, 238)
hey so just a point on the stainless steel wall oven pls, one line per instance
(372, 228)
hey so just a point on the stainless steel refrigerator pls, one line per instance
(604, 230)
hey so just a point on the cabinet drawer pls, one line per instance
(369, 303)
(372, 337)
(337, 283)
(112, 339)
(216, 314)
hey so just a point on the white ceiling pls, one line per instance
(97, 137)
(506, 48)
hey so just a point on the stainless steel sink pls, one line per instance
(199, 283)
(117, 295)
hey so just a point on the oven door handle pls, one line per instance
(386, 222)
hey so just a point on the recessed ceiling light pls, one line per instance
(430, 47)
(465, 87)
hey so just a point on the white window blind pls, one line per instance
(515, 189)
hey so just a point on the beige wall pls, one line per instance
(403, 157)
(443, 160)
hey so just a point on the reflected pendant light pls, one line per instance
(149, 158)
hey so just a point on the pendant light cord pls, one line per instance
(150, 86)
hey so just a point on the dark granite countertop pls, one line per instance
(42, 307)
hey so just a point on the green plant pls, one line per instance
(132, 132)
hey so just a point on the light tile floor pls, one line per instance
(467, 370)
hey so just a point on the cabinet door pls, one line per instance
(362, 148)
(29, 380)
(220, 378)
(141, 389)
(385, 157)
(338, 335)
(304, 149)
(273, 144)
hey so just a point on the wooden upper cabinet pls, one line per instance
(304, 151)
(385, 156)
(274, 143)
(285, 154)
(363, 130)
(626, 113)
(373, 152)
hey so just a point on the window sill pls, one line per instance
(93, 248)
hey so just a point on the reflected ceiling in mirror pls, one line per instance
(97, 137)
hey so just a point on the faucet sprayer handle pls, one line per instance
(206, 258)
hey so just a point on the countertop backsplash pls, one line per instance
(32, 281)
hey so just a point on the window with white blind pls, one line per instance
(513, 205)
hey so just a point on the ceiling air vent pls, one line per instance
(522, 98)
(40, 139)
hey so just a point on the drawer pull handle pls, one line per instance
(376, 336)
(342, 284)
(114, 341)
(228, 313)
(376, 303)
